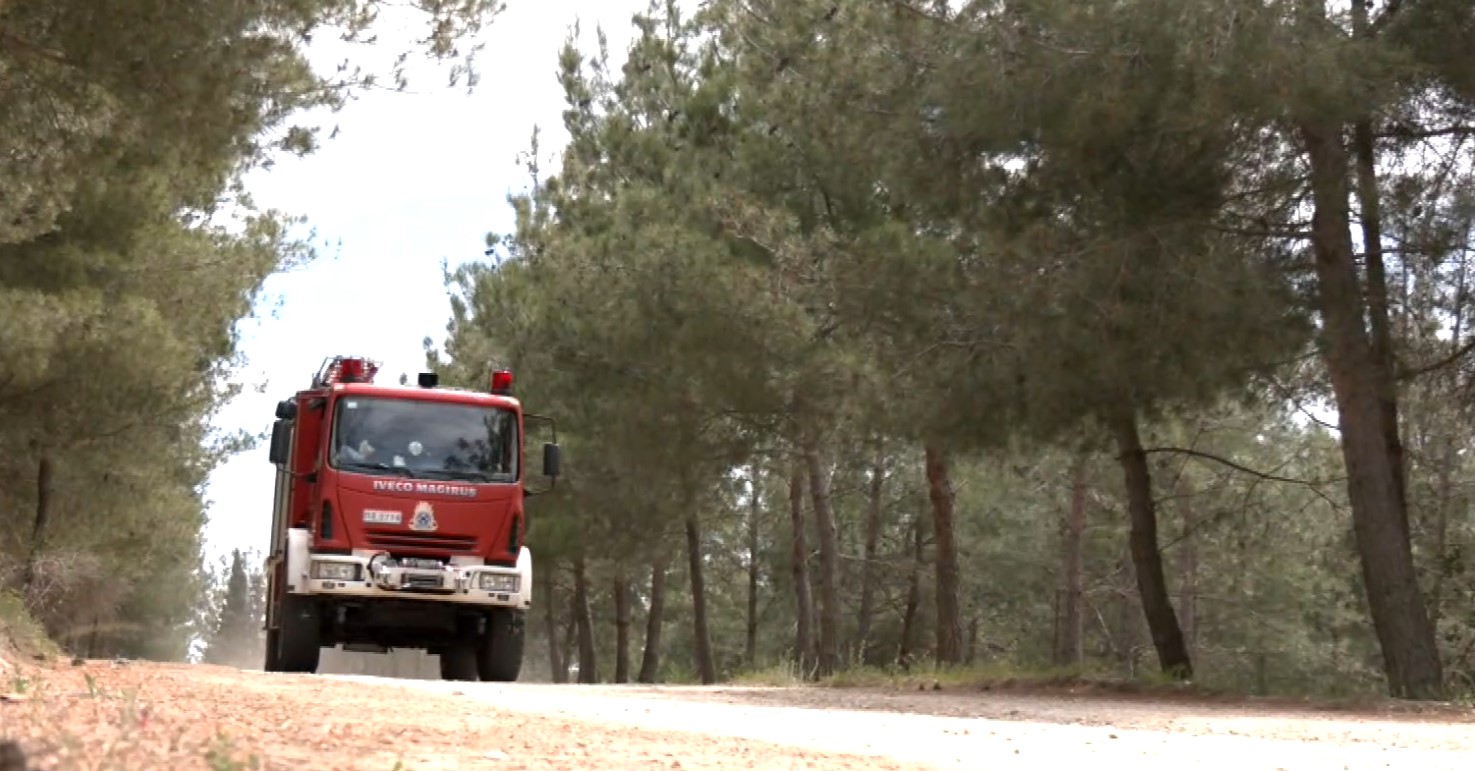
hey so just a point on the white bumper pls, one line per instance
(366, 574)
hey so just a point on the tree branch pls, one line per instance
(1241, 468)
(1386, 17)
(1404, 131)
(1441, 363)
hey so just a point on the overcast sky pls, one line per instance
(410, 181)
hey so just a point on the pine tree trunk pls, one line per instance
(588, 660)
(750, 642)
(949, 620)
(803, 596)
(914, 593)
(1447, 465)
(869, 567)
(557, 669)
(829, 563)
(620, 592)
(1370, 200)
(1380, 520)
(40, 523)
(650, 660)
(1147, 557)
(1069, 642)
(1128, 615)
(1188, 568)
(1377, 304)
(570, 638)
(701, 634)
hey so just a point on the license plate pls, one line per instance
(376, 517)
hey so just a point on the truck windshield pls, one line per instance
(430, 440)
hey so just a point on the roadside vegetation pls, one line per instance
(913, 335)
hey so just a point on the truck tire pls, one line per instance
(273, 661)
(499, 657)
(458, 662)
(298, 635)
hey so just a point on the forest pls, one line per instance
(1094, 337)
(884, 336)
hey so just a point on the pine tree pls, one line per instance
(236, 630)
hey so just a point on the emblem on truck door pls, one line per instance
(424, 518)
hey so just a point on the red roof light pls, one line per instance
(501, 382)
(351, 370)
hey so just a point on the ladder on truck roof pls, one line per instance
(345, 369)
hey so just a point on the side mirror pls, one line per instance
(550, 460)
(281, 442)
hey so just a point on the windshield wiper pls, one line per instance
(468, 475)
(401, 470)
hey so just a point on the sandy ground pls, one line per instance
(146, 716)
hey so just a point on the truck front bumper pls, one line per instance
(369, 574)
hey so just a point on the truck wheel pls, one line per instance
(499, 657)
(298, 636)
(458, 662)
(273, 661)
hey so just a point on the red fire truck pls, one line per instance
(399, 523)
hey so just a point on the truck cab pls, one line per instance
(399, 522)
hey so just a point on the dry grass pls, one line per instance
(21, 637)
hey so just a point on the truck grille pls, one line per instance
(413, 581)
(393, 542)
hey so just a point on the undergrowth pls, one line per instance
(1078, 680)
(19, 632)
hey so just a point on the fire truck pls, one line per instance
(399, 523)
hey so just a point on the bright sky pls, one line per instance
(410, 181)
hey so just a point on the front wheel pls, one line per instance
(273, 659)
(499, 656)
(297, 646)
(458, 662)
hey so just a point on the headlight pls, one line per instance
(499, 582)
(335, 571)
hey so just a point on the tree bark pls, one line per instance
(1147, 558)
(914, 593)
(556, 667)
(1377, 302)
(40, 523)
(803, 595)
(650, 660)
(701, 634)
(1447, 463)
(621, 596)
(829, 563)
(1069, 640)
(570, 637)
(1188, 567)
(1370, 200)
(1128, 615)
(949, 620)
(588, 660)
(869, 567)
(750, 642)
(1380, 521)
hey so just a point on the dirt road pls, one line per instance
(140, 716)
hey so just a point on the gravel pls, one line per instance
(1003, 731)
(139, 715)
